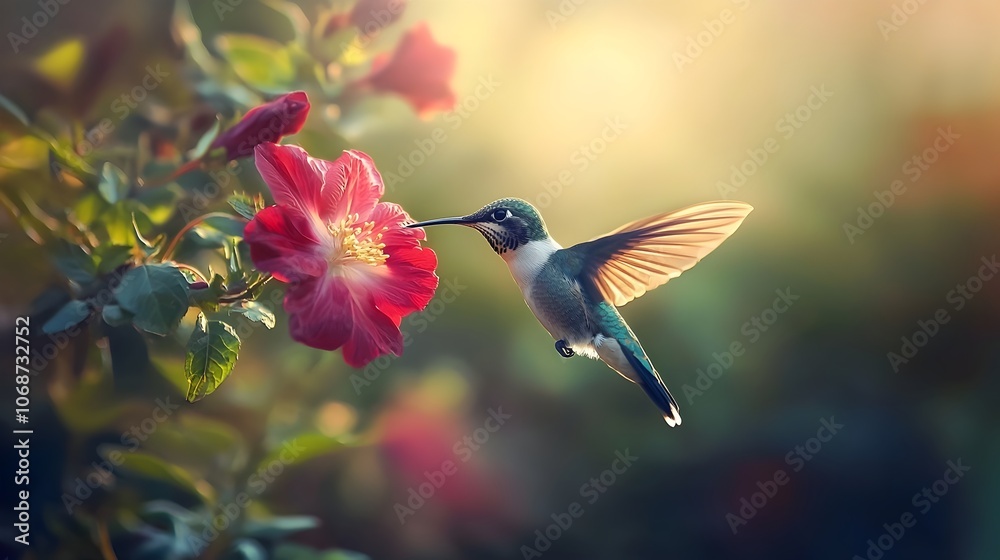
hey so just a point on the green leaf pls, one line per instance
(89, 208)
(301, 448)
(211, 355)
(149, 247)
(206, 140)
(235, 252)
(122, 223)
(342, 46)
(115, 316)
(246, 205)
(212, 435)
(155, 468)
(71, 314)
(292, 551)
(216, 231)
(277, 528)
(117, 222)
(76, 264)
(256, 312)
(110, 257)
(231, 226)
(26, 153)
(14, 110)
(64, 156)
(208, 298)
(160, 203)
(156, 294)
(113, 184)
(61, 64)
(245, 549)
(264, 64)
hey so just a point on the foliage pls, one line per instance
(142, 213)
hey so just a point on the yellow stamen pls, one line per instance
(359, 243)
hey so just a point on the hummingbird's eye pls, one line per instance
(501, 214)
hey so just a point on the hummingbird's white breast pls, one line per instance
(525, 264)
(526, 261)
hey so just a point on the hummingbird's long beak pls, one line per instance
(460, 220)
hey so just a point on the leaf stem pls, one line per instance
(107, 551)
(183, 169)
(191, 269)
(188, 227)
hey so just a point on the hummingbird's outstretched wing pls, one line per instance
(644, 254)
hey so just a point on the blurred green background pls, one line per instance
(638, 107)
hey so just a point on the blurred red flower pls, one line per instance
(269, 122)
(419, 70)
(353, 270)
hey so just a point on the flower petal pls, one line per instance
(352, 186)
(331, 312)
(374, 334)
(320, 313)
(265, 123)
(284, 242)
(295, 179)
(389, 219)
(409, 284)
(419, 70)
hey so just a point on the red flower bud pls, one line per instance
(419, 70)
(265, 123)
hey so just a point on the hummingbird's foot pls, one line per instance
(564, 350)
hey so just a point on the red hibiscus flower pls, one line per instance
(353, 270)
(419, 70)
(269, 122)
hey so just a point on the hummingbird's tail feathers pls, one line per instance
(656, 390)
(647, 378)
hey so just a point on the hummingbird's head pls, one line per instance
(506, 224)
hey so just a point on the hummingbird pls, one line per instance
(574, 292)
